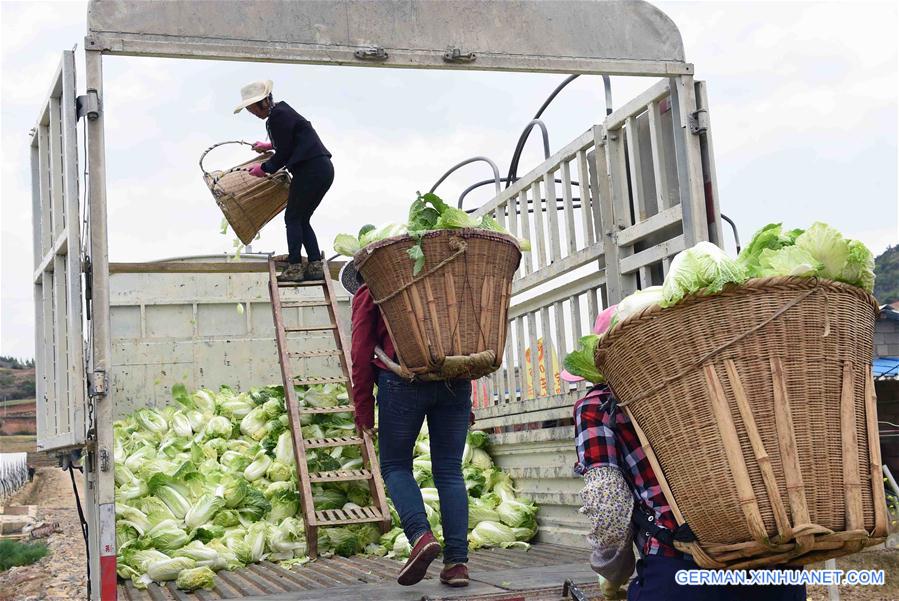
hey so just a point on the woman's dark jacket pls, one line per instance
(293, 137)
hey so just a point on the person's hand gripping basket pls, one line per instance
(248, 202)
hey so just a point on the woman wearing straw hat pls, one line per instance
(298, 149)
(625, 506)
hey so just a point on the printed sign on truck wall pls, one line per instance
(541, 367)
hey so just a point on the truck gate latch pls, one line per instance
(454, 55)
(699, 122)
(98, 383)
(104, 460)
(372, 53)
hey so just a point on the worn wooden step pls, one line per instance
(340, 476)
(302, 381)
(337, 517)
(342, 441)
(285, 304)
(316, 328)
(307, 354)
(338, 409)
(301, 284)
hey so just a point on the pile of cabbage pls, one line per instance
(819, 251)
(209, 483)
(427, 214)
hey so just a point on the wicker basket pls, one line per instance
(756, 410)
(248, 202)
(450, 321)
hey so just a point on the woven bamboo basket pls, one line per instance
(448, 322)
(756, 410)
(248, 202)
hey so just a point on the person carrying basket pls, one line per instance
(298, 149)
(402, 408)
(625, 505)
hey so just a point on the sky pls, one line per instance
(803, 105)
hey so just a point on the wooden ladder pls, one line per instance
(377, 512)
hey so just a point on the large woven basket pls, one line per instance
(248, 202)
(756, 410)
(450, 321)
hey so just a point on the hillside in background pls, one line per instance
(16, 383)
(886, 270)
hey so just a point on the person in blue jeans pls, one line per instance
(403, 407)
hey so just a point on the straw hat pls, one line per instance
(349, 278)
(253, 93)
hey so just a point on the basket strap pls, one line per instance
(393, 366)
(461, 248)
(692, 367)
(647, 522)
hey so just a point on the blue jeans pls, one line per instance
(402, 408)
(655, 582)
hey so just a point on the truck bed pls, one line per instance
(497, 574)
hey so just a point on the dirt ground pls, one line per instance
(871, 559)
(61, 575)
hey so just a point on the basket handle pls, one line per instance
(457, 243)
(279, 174)
(205, 152)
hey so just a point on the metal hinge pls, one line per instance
(699, 121)
(372, 53)
(88, 268)
(88, 105)
(454, 55)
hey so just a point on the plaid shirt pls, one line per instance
(606, 437)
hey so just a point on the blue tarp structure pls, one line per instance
(886, 367)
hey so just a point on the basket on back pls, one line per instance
(449, 321)
(248, 202)
(756, 409)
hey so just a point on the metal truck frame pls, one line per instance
(645, 190)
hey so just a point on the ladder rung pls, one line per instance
(301, 381)
(321, 443)
(340, 476)
(336, 517)
(319, 328)
(300, 304)
(301, 284)
(306, 354)
(318, 410)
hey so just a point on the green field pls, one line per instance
(15, 402)
(17, 443)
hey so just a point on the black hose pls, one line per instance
(87, 548)
(516, 156)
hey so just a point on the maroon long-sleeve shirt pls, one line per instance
(368, 331)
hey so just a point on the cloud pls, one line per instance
(24, 21)
(803, 109)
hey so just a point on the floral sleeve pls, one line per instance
(608, 504)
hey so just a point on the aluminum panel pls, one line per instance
(59, 351)
(614, 36)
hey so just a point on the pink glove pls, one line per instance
(257, 170)
(262, 146)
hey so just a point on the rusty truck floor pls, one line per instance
(497, 574)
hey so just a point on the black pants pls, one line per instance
(656, 582)
(311, 180)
